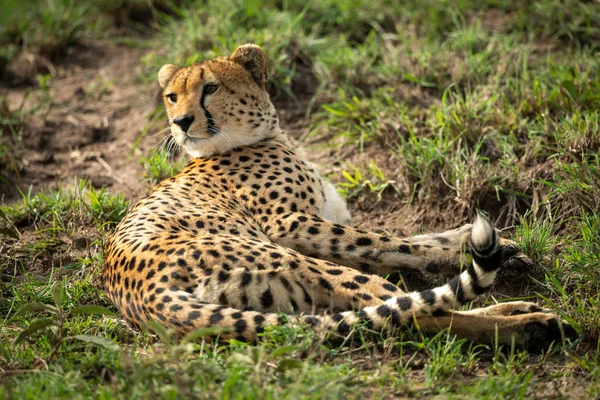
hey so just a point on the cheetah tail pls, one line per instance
(187, 313)
(397, 311)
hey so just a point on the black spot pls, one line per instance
(364, 241)
(266, 299)
(428, 296)
(361, 278)
(477, 289)
(442, 240)
(293, 304)
(389, 287)
(285, 283)
(404, 249)
(405, 303)
(325, 284)
(259, 320)
(334, 271)
(456, 288)
(223, 276)
(337, 231)
(194, 315)
(350, 285)
(383, 311)
(240, 326)
(362, 314)
(245, 279)
(313, 230)
(141, 266)
(215, 318)
(315, 271)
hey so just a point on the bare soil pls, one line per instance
(97, 112)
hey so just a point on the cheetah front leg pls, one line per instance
(443, 253)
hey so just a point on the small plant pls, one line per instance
(55, 326)
(375, 182)
(535, 236)
(161, 165)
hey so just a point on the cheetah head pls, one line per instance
(219, 104)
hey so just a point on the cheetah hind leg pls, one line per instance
(532, 331)
(508, 308)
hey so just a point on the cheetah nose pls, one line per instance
(184, 121)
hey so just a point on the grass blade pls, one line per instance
(91, 309)
(98, 340)
(200, 333)
(28, 308)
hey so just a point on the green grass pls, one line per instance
(439, 107)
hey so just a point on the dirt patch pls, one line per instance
(91, 115)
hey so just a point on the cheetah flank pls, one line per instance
(249, 230)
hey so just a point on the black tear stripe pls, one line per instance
(211, 129)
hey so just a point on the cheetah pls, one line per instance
(249, 235)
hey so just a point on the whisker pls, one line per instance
(168, 128)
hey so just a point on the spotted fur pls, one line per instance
(249, 230)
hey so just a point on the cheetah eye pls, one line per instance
(211, 88)
(172, 98)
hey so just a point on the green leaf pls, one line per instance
(35, 326)
(59, 294)
(334, 111)
(27, 308)
(569, 86)
(92, 310)
(200, 333)
(98, 340)
(288, 364)
(284, 350)
(159, 329)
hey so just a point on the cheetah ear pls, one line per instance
(166, 73)
(254, 60)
